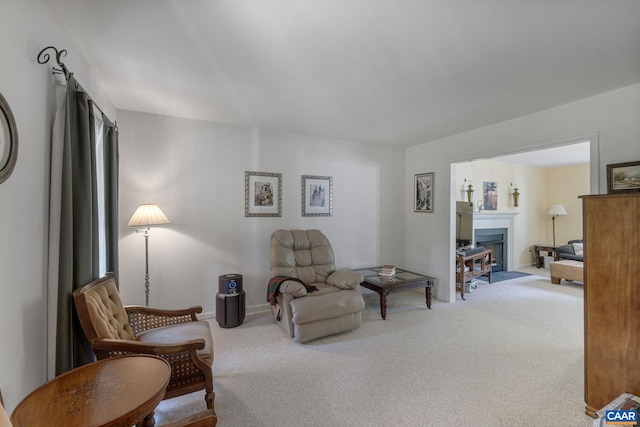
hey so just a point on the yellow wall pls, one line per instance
(539, 188)
(564, 185)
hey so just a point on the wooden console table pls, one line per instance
(549, 249)
(470, 266)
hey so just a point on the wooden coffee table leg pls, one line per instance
(383, 303)
(428, 297)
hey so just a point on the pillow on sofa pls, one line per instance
(577, 249)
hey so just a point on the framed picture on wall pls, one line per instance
(317, 195)
(490, 196)
(623, 177)
(423, 192)
(262, 194)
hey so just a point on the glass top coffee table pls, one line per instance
(402, 281)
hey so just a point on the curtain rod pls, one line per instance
(44, 57)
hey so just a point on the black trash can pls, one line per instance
(230, 303)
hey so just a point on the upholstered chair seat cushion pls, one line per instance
(180, 332)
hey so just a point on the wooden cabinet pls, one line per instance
(611, 226)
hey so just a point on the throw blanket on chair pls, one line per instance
(274, 287)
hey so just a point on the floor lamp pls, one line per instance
(555, 211)
(143, 218)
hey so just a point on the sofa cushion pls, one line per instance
(568, 251)
(578, 249)
(325, 305)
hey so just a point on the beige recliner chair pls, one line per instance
(301, 260)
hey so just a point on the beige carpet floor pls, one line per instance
(510, 355)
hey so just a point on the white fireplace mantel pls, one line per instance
(497, 220)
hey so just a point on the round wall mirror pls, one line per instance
(8, 140)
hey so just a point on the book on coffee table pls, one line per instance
(387, 271)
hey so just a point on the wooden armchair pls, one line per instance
(175, 335)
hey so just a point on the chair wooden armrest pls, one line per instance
(145, 318)
(201, 419)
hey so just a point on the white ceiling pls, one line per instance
(400, 72)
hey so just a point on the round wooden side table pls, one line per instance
(119, 391)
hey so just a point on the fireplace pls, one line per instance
(496, 240)
(499, 220)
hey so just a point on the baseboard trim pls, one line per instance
(252, 309)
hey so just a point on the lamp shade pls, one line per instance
(556, 210)
(146, 215)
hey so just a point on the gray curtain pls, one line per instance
(111, 190)
(78, 242)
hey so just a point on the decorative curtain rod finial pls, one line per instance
(43, 58)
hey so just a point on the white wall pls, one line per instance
(27, 26)
(609, 121)
(195, 171)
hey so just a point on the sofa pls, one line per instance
(572, 251)
(311, 299)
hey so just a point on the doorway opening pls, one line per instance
(527, 171)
